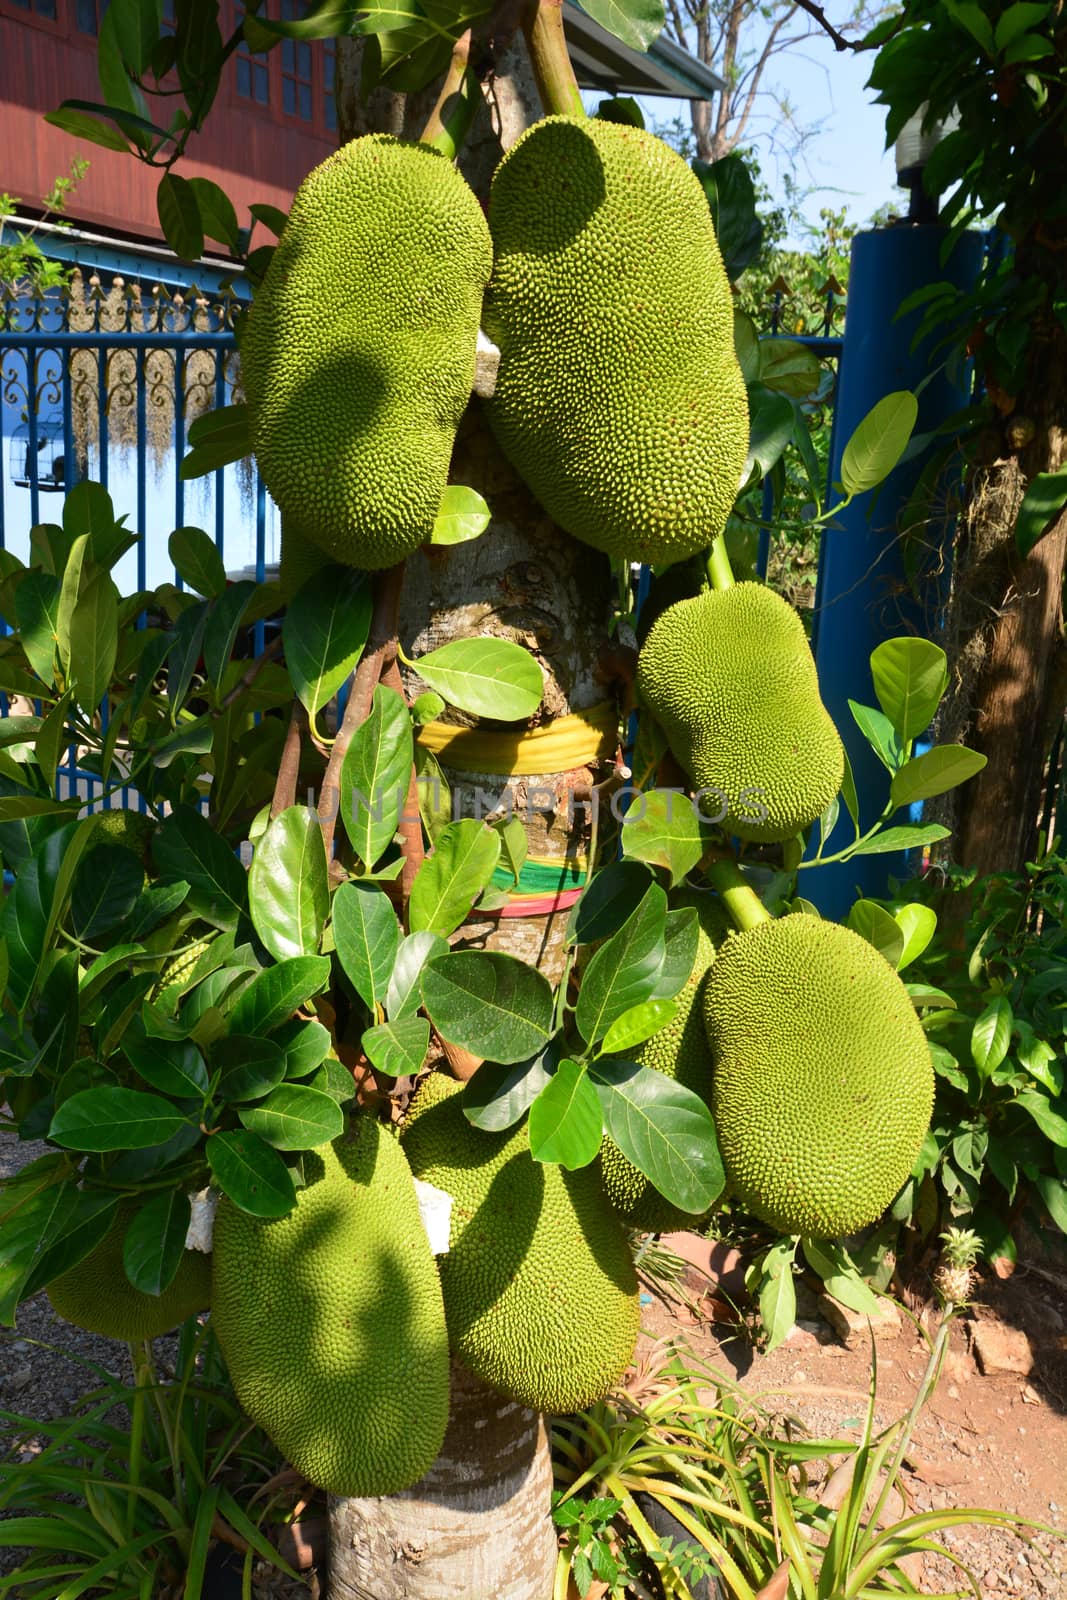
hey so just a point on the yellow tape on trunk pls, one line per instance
(561, 745)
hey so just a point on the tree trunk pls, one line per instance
(478, 1525)
(1005, 637)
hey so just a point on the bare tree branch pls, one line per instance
(741, 121)
(816, 11)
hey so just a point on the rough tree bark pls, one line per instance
(477, 1526)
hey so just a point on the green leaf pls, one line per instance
(878, 442)
(106, 888)
(903, 838)
(375, 775)
(840, 1276)
(746, 346)
(1045, 498)
(772, 418)
(488, 677)
(664, 1129)
(94, 640)
(83, 125)
(1016, 20)
(462, 516)
(136, 26)
(777, 1292)
(449, 881)
(991, 1036)
(1053, 1124)
(607, 901)
(398, 1048)
(14, 807)
(681, 934)
(197, 561)
(114, 1119)
(789, 367)
(1053, 1192)
(491, 1004)
(663, 828)
(275, 994)
(37, 616)
(293, 1117)
(271, 217)
(366, 936)
(288, 888)
(514, 844)
(221, 420)
(253, 1175)
(637, 1025)
(637, 23)
(566, 1122)
(179, 216)
(404, 996)
(875, 924)
(624, 970)
(324, 630)
(48, 1227)
(934, 772)
(252, 1067)
(731, 196)
(154, 1243)
(498, 1096)
(971, 16)
(918, 924)
(217, 217)
(52, 740)
(305, 1045)
(173, 1066)
(224, 617)
(186, 848)
(910, 676)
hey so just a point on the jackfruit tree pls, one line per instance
(499, 994)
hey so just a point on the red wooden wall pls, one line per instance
(256, 152)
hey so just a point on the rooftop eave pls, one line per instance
(603, 62)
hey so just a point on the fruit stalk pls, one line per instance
(719, 570)
(542, 25)
(740, 899)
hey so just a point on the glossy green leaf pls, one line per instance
(637, 1025)
(218, 219)
(498, 1096)
(305, 1045)
(491, 1004)
(462, 515)
(880, 734)
(566, 1121)
(449, 880)
(273, 996)
(910, 676)
(397, 1048)
(873, 923)
(375, 775)
(1053, 1123)
(991, 1035)
(253, 1175)
(934, 772)
(251, 1067)
(1045, 498)
(221, 625)
(1053, 1192)
(486, 676)
(37, 615)
(772, 418)
(637, 23)
(83, 125)
(366, 937)
(154, 1243)
(731, 197)
(918, 924)
(106, 888)
(777, 1292)
(611, 896)
(52, 740)
(403, 997)
(325, 629)
(681, 934)
(197, 561)
(173, 1066)
(187, 849)
(664, 1129)
(663, 828)
(879, 441)
(840, 1276)
(114, 1119)
(902, 838)
(271, 217)
(288, 888)
(48, 1235)
(624, 970)
(789, 367)
(179, 216)
(94, 640)
(294, 1117)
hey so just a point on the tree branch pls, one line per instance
(839, 40)
(410, 829)
(289, 766)
(248, 678)
(757, 73)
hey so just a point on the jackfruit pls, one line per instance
(730, 678)
(358, 350)
(97, 1295)
(680, 1051)
(300, 560)
(618, 398)
(331, 1323)
(822, 1084)
(132, 829)
(539, 1283)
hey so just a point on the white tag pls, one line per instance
(201, 1221)
(435, 1212)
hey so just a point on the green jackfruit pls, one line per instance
(730, 678)
(132, 829)
(358, 350)
(300, 560)
(619, 398)
(822, 1084)
(97, 1295)
(539, 1284)
(680, 1050)
(331, 1322)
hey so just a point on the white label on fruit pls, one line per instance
(435, 1210)
(201, 1221)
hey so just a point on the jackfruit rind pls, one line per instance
(539, 1284)
(729, 676)
(680, 1051)
(358, 351)
(97, 1295)
(331, 1321)
(618, 398)
(822, 1084)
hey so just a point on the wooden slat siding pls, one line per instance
(253, 152)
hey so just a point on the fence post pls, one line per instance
(863, 595)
